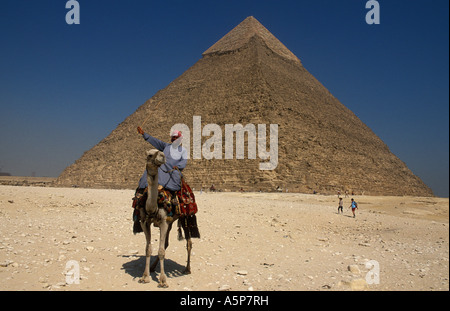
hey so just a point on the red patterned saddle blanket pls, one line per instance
(176, 203)
(180, 202)
(186, 198)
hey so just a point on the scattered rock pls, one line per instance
(357, 284)
(5, 263)
(354, 269)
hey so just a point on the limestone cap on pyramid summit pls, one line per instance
(243, 32)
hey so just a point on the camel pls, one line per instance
(159, 218)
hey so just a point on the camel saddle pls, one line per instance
(176, 203)
(180, 203)
(186, 198)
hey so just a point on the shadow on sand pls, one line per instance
(349, 216)
(135, 267)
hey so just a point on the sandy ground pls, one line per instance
(250, 241)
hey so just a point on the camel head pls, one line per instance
(155, 159)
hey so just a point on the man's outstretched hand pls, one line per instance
(140, 131)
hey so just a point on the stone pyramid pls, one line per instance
(250, 77)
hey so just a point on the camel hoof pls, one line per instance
(163, 285)
(144, 279)
(163, 282)
(187, 271)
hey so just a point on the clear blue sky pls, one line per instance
(63, 87)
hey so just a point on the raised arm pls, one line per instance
(158, 144)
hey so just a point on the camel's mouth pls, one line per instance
(160, 160)
(157, 157)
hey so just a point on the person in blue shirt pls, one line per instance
(176, 157)
(169, 174)
(354, 206)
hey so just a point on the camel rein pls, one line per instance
(181, 175)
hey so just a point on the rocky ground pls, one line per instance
(249, 242)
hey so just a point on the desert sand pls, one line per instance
(249, 242)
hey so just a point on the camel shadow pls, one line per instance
(135, 267)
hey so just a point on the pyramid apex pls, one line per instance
(242, 33)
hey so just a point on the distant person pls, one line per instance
(353, 206)
(341, 206)
(212, 188)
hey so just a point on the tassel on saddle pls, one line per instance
(189, 225)
(140, 197)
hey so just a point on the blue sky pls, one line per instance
(64, 87)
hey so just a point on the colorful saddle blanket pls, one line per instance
(174, 202)
(186, 198)
(168, 200)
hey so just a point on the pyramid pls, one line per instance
(250, 78)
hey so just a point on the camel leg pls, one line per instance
(162, 252)
(166, 245)
(154, 264)
(187, 235)
(148, 251)
(189, 248)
